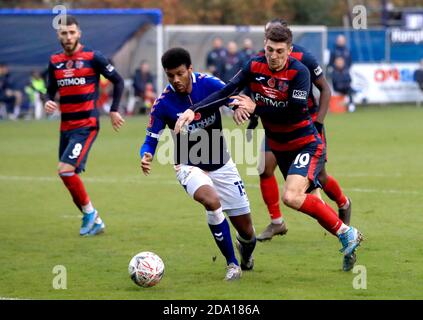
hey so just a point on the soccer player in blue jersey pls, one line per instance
(212, 178)
(74, 73)
(280, 86)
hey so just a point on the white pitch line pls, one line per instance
(88, 179)
(151, 180)
(369, 175)
(394, 191)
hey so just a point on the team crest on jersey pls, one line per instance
(282, 86)
(197, 116)
(79, 64)
(271, 82)
(69, 64)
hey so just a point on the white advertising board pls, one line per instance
(385, 83)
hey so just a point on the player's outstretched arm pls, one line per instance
(244, 102)
(146, 161)
(184, 119)
(240, 116)
(117, 120)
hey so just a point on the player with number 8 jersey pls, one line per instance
(74, 73)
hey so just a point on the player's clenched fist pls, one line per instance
(146, 162)
(50, 106)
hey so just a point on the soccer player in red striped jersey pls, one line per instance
(280, 86)
(268, 184)
(74, 73)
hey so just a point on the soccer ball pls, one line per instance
(146, 269)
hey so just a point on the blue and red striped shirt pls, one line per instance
(306, 58)
(76, 78)
(281, 99)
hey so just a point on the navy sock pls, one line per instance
(247, 246)
(222, 236)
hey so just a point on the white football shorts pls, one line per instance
(226, 181)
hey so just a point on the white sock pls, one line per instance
(344, 228)
(88, 208)
(277, 221)
(346, 205)
(215, 217)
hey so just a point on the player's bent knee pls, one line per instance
(289, 198)
(210, 204)
(208, 199)
(65, 167)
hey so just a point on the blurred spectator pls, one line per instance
(247, 51)
(144, 88)
(342, 51)
(36, 91)
(9, 95)
(215, 58)
(341, 81)
(418, 77)
(232, 62)
(149, 97)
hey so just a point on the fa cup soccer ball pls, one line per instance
(146, 269)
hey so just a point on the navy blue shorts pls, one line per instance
(323, 137)
(75, 145)
(307, 162)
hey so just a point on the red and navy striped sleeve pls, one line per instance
(316, 72)
(51, 82)
(307, 59)
(219, 98)
(104, 67)
(299, 87)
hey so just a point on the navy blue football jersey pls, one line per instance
(204, 145)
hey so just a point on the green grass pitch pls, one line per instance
(375, 153)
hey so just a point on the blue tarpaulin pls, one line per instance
(28, 38)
